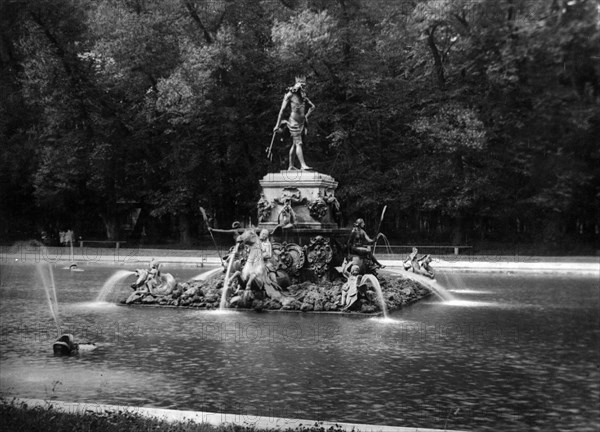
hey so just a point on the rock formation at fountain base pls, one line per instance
(307, 296)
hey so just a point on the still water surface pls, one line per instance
(514, 352)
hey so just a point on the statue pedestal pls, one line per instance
(300, 210)
(309, 194)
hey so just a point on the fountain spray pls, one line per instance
(226, 281)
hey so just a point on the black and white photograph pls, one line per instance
(300, 215)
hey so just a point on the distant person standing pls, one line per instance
(69, 236)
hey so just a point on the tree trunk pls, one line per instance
(194, 15)
(185, 236)
(457, 231)
(349, 10)
(437, 59)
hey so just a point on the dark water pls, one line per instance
(515, 352)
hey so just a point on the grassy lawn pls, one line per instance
(16, 416)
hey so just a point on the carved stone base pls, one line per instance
(299, 200)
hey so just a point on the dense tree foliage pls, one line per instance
(472, 120)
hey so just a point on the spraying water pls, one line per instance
(386, 244)
(433, 285)
(453, 281)
(207, 274)
(47, 277)
(375, 283)
(223, 302)
(110, 284)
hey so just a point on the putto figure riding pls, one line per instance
(296, 123)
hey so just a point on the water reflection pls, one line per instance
(469, 303)
(93, 305)
(385, 320)
(471, 292)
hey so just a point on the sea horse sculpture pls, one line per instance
(255, 269)
(161, 284)
(419, 265)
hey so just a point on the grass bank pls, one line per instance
(18, 416)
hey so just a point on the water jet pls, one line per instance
(110, 284)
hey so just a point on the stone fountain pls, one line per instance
(311, 265)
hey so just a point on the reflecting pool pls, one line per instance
(511, 352)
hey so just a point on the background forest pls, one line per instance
(474, 121)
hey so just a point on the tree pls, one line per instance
(468, 119)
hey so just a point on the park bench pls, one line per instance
(117, 243)
(456, 249)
